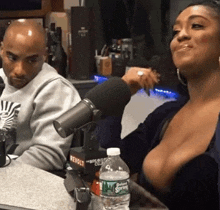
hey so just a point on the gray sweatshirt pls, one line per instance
(41, 101)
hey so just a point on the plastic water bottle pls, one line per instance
(114, 182)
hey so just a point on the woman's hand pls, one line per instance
(138, 78)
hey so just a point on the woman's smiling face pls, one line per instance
(196, 41)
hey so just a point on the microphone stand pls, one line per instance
(85, 162)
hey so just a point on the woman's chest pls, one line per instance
(187, 136)
(189, 132)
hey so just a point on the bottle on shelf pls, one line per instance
(51, 44)
(114, 182)
(113, 48)
(118, 50)
(59, 59)
(127, 49)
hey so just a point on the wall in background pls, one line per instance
(70, 3)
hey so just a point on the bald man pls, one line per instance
(36, 95)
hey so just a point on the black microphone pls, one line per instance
(108, 98)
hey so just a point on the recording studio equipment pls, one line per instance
(109, 98)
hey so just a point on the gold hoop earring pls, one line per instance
(179, 78)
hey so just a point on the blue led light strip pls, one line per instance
(100, 79)
(160, 92)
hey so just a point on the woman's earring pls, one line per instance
(179, 78)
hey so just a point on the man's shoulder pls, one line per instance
(49, 74)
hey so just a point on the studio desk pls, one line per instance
(25, 187)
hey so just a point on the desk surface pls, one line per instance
(26, 187)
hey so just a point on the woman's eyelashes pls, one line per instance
(197, 26)
(193, 26)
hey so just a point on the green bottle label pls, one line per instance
(114, 188)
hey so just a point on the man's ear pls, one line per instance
(45, 58)
(45, 54)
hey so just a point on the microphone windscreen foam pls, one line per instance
(110, 97)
